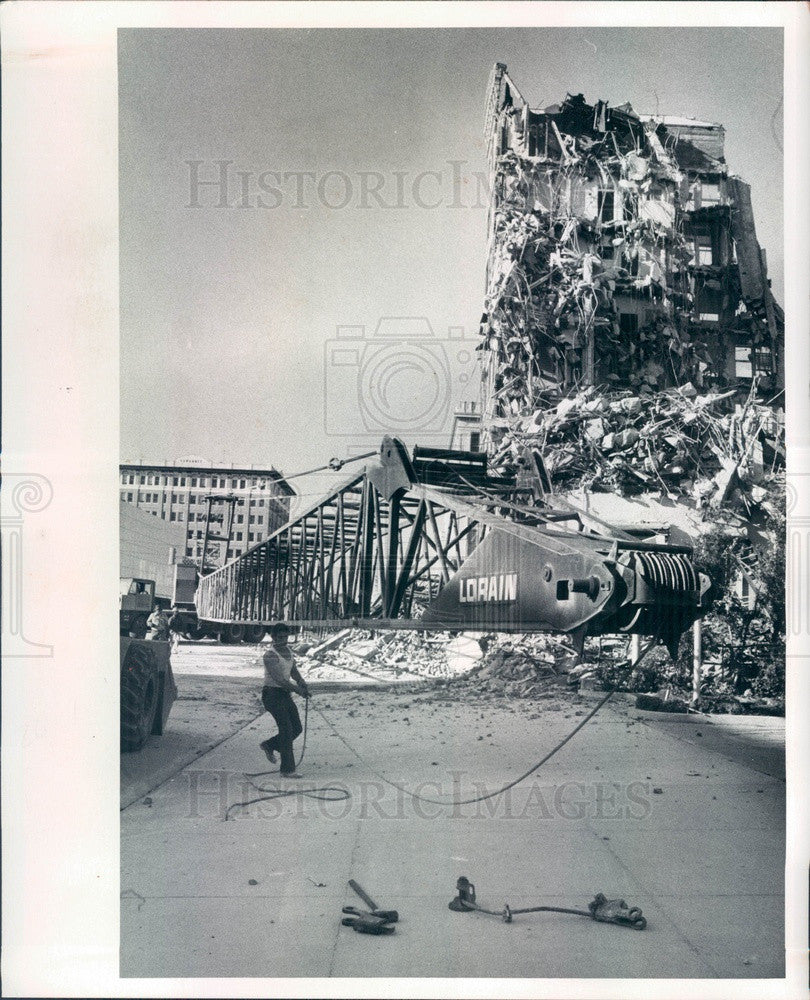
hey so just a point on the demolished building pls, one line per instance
(621, 251)
(632, 352)
(630, 340)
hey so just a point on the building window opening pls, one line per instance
(606, 205)
(709, 194)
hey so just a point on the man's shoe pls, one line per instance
(269, 754)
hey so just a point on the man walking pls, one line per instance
(281, 677)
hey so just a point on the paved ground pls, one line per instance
(682, 816)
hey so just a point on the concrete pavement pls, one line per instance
(682, 818)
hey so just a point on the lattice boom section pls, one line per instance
(354, 556)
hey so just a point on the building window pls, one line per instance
(475, 440)
(750, 361)
(709, 194)
(703, 250)
(129, 497)
(742, 362)
(172, 516)
(630, 263)
(192, 498)
(240, 518)
(181, 516)
(239, 536)
(241, 484)
(188, 550)
(251, 519)
(763, 361)
(250, 536)
(193, 480)
(606, 205)
(707, 304)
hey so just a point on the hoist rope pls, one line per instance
(340, 794)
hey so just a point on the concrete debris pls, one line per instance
(409, 655)
(701, 448)
(612, 260)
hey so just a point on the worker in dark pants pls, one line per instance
(281, 677)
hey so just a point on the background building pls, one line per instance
(149, 548)
(178, 493)
(466, 431)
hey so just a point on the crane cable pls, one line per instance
(326, 793)
(340, 794)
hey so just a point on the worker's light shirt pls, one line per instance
(277, 668)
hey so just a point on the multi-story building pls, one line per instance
(465, 434)
(257, 499)
(622, 253)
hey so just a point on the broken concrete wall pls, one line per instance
(611, 254)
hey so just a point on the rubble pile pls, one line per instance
(522, 666)
(688, 446)
(439, 656)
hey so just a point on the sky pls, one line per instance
(327, 287)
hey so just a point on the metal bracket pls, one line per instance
(616, 911)
(602, 909)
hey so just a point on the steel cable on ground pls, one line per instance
(332, 793)
(323, 793)
(511, 784)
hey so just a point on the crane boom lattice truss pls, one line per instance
(435, 543)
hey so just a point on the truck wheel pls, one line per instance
(138, 627)
(234, 634)
(254, 633)
(139, 696)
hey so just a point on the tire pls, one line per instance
(195, 632)
(233, 634)
(140, 694)
(254, 633)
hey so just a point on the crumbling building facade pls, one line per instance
(622, 253)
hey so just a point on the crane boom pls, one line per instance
(433, 542)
